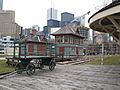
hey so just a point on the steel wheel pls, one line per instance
(30, 69)
(19, 68)
(52, 65)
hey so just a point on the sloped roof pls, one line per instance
(101, 18)
(68, 29)
(31, 39)
(65, 30)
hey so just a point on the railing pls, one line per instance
(40, 53)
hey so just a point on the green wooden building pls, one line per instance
(69, 42)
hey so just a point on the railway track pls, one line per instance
(75, 62)
(3, 76)
(72, 62)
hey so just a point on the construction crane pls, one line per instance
(79, 19)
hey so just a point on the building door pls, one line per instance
(77, 51)
(61, 50)
(30, 49)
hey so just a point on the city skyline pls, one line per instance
(34, 12)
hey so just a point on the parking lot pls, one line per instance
(66, 77)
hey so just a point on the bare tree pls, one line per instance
(103, 4)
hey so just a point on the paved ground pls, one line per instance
(66, 77)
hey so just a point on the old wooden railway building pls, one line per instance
(68, 44)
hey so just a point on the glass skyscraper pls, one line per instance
(66, 18)
(52, 14)
(1, 4)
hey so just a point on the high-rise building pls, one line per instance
(8, 27)
(66, 18)
(53, 23)
(7, 16)
(1, 4)
(52, 14)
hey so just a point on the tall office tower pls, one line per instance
(1, 4)
(52, 14)
(7, 16)
(66, 18)
(8, 27)
(53, 23)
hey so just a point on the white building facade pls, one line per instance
(8, 27)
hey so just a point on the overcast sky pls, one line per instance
(34, 12)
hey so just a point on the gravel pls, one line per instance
(66, 77)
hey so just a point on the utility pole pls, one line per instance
(102, 55)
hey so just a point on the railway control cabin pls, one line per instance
(69, 43)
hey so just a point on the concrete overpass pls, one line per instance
(107, 20)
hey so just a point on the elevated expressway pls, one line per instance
(107, 20)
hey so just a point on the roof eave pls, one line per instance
(113, 4)
(68, 34)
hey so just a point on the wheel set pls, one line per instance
(30, 67)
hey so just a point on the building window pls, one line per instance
(11, 39)
(71, 40)
(59, 39)
(4, 42)
(81, 41)
(5, 39)
(66, 39)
